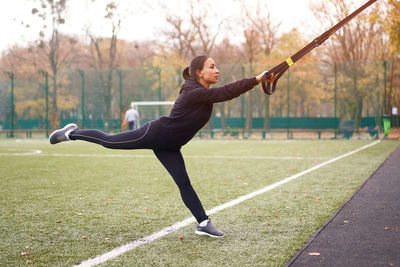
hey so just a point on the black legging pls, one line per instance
(149, 137)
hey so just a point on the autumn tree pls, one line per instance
(392, 24)
(27, 64)
(230, 61)
(304, 94)
(355, 44)
(27, 98)
(251, 47)
(168, 69)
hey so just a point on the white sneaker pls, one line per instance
(61, 135)
(209, 229)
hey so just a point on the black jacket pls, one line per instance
(193, 108)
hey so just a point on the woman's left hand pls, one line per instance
(269, 79)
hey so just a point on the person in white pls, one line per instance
(131, 118)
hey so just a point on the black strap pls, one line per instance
(282, 67)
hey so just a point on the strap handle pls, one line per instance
(282, 67)
(279, 70)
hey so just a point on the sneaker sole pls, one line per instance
(62, 129)
(204, 233)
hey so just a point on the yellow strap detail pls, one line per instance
(289, 61)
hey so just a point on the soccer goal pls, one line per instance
(150, 110)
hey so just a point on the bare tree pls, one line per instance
(251, 48)
(54, 10)
(182, 37)
(261, 35)
(206, 32)
(260, 20)
(104, 54)
(230, 59)
(195, 33)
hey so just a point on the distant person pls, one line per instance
(166, 135)
(131, 118)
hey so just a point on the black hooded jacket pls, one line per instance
(193, 108)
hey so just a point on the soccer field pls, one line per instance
(62, 205)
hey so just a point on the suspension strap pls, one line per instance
(282, 67)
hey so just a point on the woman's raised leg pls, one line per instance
(135, 139)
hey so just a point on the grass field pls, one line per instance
(75, 200)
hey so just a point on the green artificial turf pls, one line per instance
(76, 200)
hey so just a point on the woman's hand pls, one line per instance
(270, 79)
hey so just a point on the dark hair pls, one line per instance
(197, 63)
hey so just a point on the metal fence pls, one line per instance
(308, 96)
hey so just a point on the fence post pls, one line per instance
(288, 104)
(158, 71)
(335, 89)
(120, 94)
(335, 95)
(11, 76)
(82, 73)
(47, 105)
(242, 99)
(46, 76)
(384, 86)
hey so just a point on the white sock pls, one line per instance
(68, 132)
(203, 223)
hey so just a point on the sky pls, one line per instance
(143, 20)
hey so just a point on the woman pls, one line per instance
(166, 135)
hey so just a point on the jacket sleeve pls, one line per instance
(219, 94)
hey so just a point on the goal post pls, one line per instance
(150, 110)
(151, 103)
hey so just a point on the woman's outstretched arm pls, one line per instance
(199, 94)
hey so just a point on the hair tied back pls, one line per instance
(186, 74)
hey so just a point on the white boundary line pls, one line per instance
(39, 153)
(136, 243)
(185, 156)
(33, 152)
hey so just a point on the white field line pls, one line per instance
(136, 243)
(31, 153)
(185, 156)
(39, 152)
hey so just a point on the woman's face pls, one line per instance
(209, 74)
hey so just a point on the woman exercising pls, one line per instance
(166, 135)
